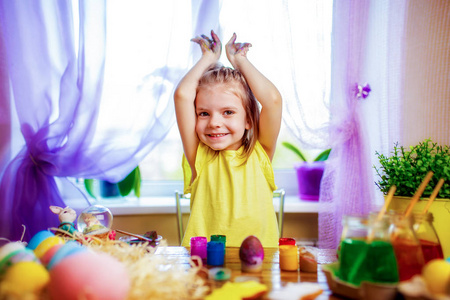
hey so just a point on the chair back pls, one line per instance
(280, 193)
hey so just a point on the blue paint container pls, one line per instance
(220, 238)
(216, 253)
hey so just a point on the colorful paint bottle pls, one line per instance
(288, 257)
(215, 253)
(198, 247)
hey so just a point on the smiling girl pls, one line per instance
(229, 143)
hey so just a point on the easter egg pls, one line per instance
(45, 259)
(89, 275)
(46, 244)
(251, 254)
(38, 238)
(12, 253)
(9, 248)
(23, 255)
(25, 277)
(68, 249)
(436, 274)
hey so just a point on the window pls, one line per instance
(255, 22)
(148, 46)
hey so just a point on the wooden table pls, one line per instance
(271, 274)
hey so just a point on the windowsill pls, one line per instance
(166, 205)
(159, 198)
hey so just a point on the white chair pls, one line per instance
(280, 193)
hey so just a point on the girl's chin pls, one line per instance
(218, 147)
(215, 147)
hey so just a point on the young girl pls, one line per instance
(228, 145)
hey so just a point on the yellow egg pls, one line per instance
(46, 244)
(25, 277)
(436, 274)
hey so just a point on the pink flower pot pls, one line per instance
(309, 176)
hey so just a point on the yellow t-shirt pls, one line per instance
(230, 198)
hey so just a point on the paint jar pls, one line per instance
(366, 253)
(215, 253)
(428, 238)
(198, 247)
(407, 247)
(288, 257)
(286, 241)
(220, 238)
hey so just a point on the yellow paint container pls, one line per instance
(288, 257)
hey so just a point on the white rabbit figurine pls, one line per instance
(66, 216)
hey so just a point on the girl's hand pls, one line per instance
(209, 45)
(236, 50)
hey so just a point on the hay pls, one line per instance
(154, 273)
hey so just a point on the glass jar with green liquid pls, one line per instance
(366, 253)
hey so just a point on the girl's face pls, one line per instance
(221, 118)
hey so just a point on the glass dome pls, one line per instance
(95, 219)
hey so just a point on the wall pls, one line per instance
(427, 87)
(303, 227)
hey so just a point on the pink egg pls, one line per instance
(68, 249)
(89, 275)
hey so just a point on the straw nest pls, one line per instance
(153, 272)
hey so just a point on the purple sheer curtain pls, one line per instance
(366, 44)
(56, 94)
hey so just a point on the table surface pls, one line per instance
(271, 275)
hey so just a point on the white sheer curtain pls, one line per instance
(306, 82)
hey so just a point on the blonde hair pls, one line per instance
(236, 83)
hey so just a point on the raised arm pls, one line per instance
(265, 92)
(185, 94)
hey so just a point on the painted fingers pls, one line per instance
(206, 43)
(234, 48)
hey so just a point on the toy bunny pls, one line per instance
(66, 216)
(92, 224)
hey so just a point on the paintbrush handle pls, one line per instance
(418, 193)
(135, 235)
(433, 195)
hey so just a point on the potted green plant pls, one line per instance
(132, 182)
(406, 168)
(309, 173)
